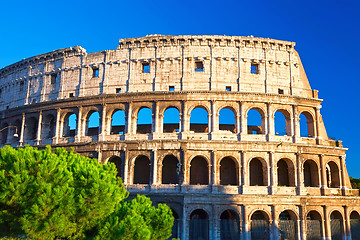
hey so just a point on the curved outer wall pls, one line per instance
(38, 94)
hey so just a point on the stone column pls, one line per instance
(214, 173)
(245, 175)
(327, 224)
(272, 180)
(128, 120)
(58, 131)
(154, 164)
(342, 169)
(156, 119)
(243, 120)
(38, 134)
(323, 183)
(275, 224)
(317, 129)
(299, 178)
(246, 224)
(21, 140)
(185, 120)
(79, 132)
(296, 125)
(103, 125)
(347, 222)
(271, 122)
(301, 223)
(126, 167)
(214, 118)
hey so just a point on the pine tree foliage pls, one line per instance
(355, 182)
(53, 194)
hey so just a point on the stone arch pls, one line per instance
(199, 171)
(332, 175)
(199, 120)
(337, 225)
(118, 122)
(311, 173)
(255, 120)
(229, 225)
(199, 225)
(92, 123)
(286, 172)
(355, 224)
(170, 170)
(31, 127)
(144, 120)
(307, 124)
(282, 122)
(228, 171)
(227, 119)
(258, 172)
(171, 120)
(288, 224)
(70, 124)
(141, 170)
(48, 126)
(118, 164)
(314, 225)
(260, 225)
(175, 230)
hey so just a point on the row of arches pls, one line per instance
(261, 227)
(199, 122)
(229, 171)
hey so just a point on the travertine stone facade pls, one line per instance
(222, 180)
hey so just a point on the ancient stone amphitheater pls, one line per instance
(226, 130)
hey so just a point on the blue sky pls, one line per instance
(326, 33)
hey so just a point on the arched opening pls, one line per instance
(199, 122)
(70, 125)
(257, 173)
(260, 225)
(332, 175)
(228, 172)
(175, 230)
(31, 128)
(144, 121)
(199, 171)
(285, 172)
(4, 133)
(118, 164)
(171, 120)
(307, 125)
(199, 225)
(311, 174)
(142, 170)
(227, 120)
(287, 225)
(313, 225)
(255, 121)
(336, 222)
(282, 123)
(118, 122)
(48, 127)
(170, 170)
(229, 225)
(92, 123)
(355, 225)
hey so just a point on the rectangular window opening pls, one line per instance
(254, 68)
(95, 72)
(199, 66)
(53, 78)
(71, 95)
(281, 91)
(171, 88)
(145, 67)
(228, 88)
(118, 90)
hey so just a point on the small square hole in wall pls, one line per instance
(53, 78)
(71, 95)
(33, 101)
(228, 88)
(118, 90)
(95, 72)
(254, 68)
(199, 66)
(281, 91)
(145, 67)
(7, 107)
(171, 88)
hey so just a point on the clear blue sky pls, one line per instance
(326, 33)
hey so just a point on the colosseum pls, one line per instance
(224, 129)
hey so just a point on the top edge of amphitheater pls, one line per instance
(204, 38)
